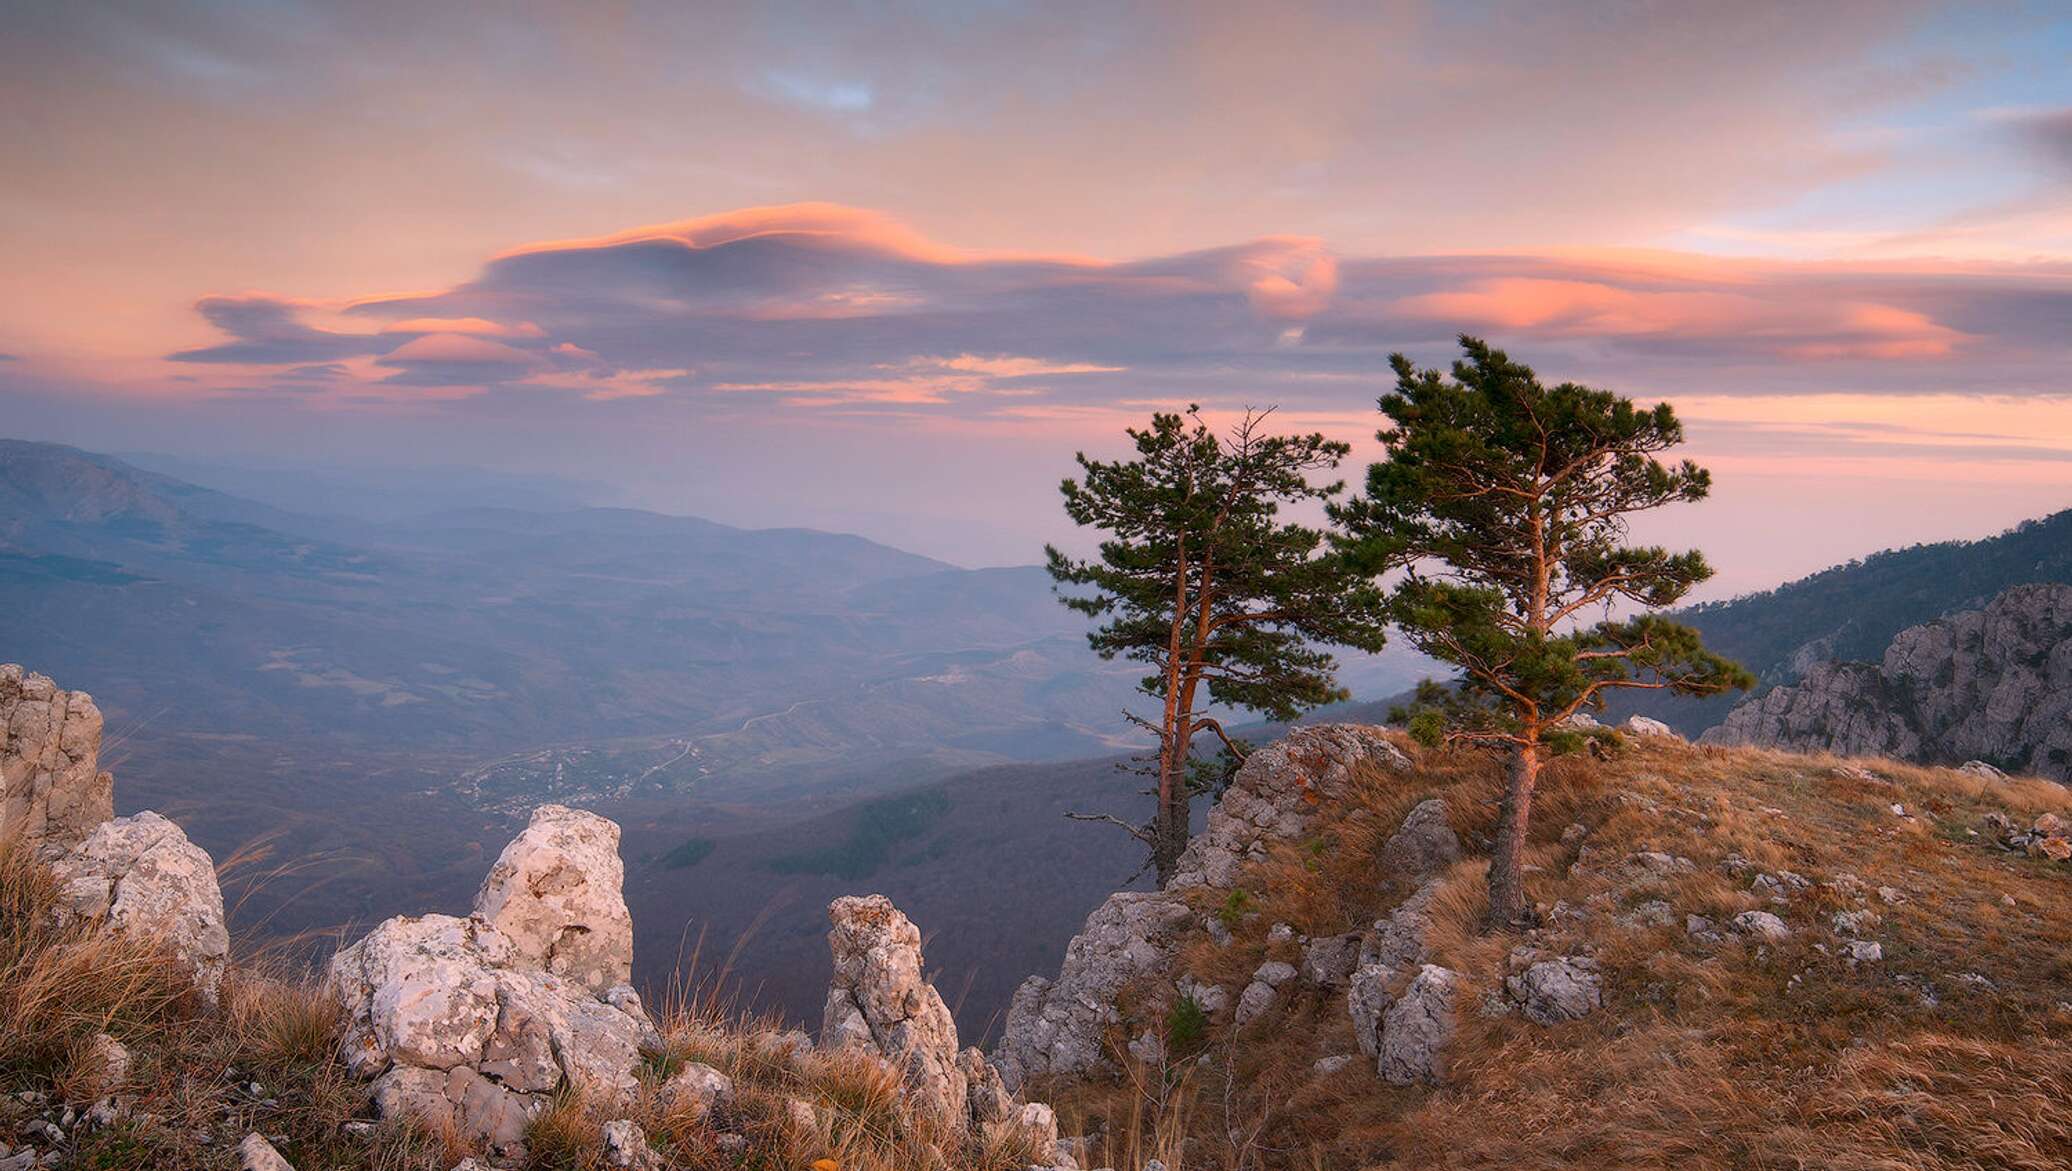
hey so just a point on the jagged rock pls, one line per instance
(142, 877)
(1417, 1027)
(879, 1002)
(1399, 941)
(1212, 999)
(52, 790)
(1057, 1027)
(1367, 1000)
(1329, 960)
(696, 1089)
(1557, 990)
(1425, 845)
(555, 893)
(1762, 924)
(1644, 726)
(1992, 683)
(626, 1145)
(1254, 1002)
(256, 1154)
(984, 1092)
(1033, 1125)
(1276, 794)
(457, 1029)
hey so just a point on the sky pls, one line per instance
(884, 267)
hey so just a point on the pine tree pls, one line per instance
(1200, 578)
(1505, 503)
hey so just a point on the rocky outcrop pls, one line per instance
(1062, 1026)
(879, 1002)
(141, 877)
(1276, 795)
(1993, 684)
(462, 1024)
(556, 894)
(52, 790)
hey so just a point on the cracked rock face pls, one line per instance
(1555, 990)
(1994, 683)
(879, 1002)
(556, 894)
(458, 1028)
(474, 1023)
(1275, 796)
(1058, 1026)
(141, 876)
(1416, 1028)
(1062, 1025)
(52, 790)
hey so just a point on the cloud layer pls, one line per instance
(819, 306)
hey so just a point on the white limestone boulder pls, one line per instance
(141, 877)
(556, 892)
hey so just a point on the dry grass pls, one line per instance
(1705, 1057)
(189, 1086)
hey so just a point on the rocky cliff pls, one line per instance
(1993, 684)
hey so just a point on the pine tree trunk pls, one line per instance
(1507, 857)
(1170, 825)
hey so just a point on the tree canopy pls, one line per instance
(1504, 503)
(1201, 577)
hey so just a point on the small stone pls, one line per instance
(1892, 895)
(1763, 924)
(1643, 726)
(626, 1146)
(256, 1154)
(1279, 933)
(1148, 1048)
(1327, 1066)
(696, 1089)
(1864, 951)
(1274, 973)
(1854, 922)
(1254, 1002)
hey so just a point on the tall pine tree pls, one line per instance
(1505, 502)
(1200, 578)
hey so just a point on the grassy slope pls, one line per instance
(200, 1079)
(1704, 1057)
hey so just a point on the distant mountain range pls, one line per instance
(1852, 611)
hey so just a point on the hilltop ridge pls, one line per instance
(1742, 957)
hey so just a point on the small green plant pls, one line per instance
(1236, 905)
(1187, 1025)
